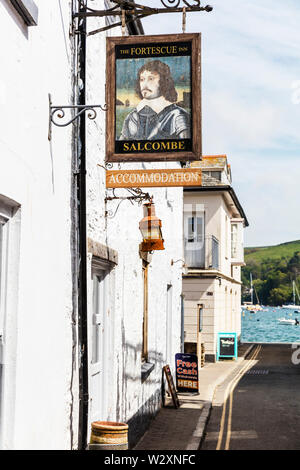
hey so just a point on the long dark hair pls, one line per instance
(166, 82)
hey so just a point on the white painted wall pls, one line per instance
(222, 309)
(36, 174)
(128, 396)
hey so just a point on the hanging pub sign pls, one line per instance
(153, 88)
(227, 345)
(186, 366)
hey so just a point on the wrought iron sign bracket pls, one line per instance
(135, 11)
(58, 112)
(137, 195)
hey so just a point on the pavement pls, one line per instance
(183, 428)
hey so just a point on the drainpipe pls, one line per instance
(82, 237)
(182, 324)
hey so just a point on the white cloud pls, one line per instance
(238, 123)
(269, 192)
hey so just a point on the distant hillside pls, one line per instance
(273, 269)
(272, 252)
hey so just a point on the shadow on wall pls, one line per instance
(140, 421)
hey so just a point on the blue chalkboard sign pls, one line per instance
(227, 345)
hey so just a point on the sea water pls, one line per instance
(264, 327)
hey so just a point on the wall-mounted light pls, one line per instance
(150, 227)
(184, 266)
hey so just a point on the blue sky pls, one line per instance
(251, 104)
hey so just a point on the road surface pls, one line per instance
(262, 408)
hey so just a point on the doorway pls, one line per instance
(101, 344)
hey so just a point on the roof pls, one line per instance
(211, 161)
(216, 162)
(220, 187)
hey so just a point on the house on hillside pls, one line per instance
(214, 222)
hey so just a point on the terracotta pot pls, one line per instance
(108, 435)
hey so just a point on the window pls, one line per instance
(213, 174)
(3, 257)
(195, 229)
(227, 235)
(234, 240)
(237, 249)
(28, 11)
(10, 222)
(194, 238)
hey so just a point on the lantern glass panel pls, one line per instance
(151, 233)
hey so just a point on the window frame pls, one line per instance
(28, 11)
(3, 268)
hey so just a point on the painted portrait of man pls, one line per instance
(153, 91)
(157, 115)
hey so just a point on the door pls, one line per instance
(3, 275)
(98, 355)
(194, 240)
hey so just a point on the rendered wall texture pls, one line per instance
(131, 399)
(37, 174)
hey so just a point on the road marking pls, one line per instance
(251, 434)
(234, 384)
(225, 405)
(257, 372)
(235, 379)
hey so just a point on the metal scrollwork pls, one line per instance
(137, 195)
(136, 11)
(108, 166)
(59, 112)
(176, 3)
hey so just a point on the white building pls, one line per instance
(214, 221)
(132, 308)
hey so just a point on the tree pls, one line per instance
(279, 296)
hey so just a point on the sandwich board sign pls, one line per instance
(172, 389)
(227, 345)
(186, 366)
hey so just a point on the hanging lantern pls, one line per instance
(150, 227)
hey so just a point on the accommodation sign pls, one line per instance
(151, 178)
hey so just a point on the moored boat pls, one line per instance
(293, 306)
(288, 321)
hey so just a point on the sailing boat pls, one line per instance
(249, 305)
(293, 306)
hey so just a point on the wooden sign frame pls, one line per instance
(185, 145)
(171, 386)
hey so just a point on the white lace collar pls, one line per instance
(157, 104)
